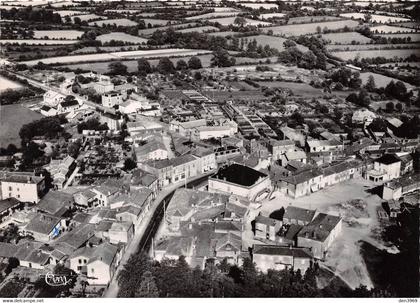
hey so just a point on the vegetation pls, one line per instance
(91, 124)
(48, 127)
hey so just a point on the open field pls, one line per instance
(156, 22)
(108, 49)
(349, 47)
(117, 22)
(62, 34)
(311, 28)
(213, 15)
(149, 31)
(415, 37)
(273, 42)
(312, 19)
(258, 5)
(299, 89)
(271, 15)
(388, 29)
(386, 53)
(380, 80)
(12, 117)
(8, 84)
(38, 41)
(224, 34)
(230, 21)
(375, 18)
(170, 52)
(345, 38)
(87, 17)
(200, 29)
(64, 13)
(120, 36)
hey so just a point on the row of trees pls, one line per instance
(31, 15)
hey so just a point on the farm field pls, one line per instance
(87, 17)
(271, 15)
(411, 64)
(415, 37)
(70, 13)
(200, 29)
(149, 31)
(109, 49)
(312, 19)
(350, 47)
(299, 89)
(380, 80)
(258, 5)
(224, 34)
(376, 18)
(156, 22)
(345, 38)
(213, 15)
(230, 21)
(118, 56)
(410, 24)
(8, 84)
(64, 34)
(388, 29)
(120, 36)
(311, 28)
(12, 118)
(118, 22)
(273, 42)
(38, 41)
(386, 53)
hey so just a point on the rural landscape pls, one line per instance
(209, 149)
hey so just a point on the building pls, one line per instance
(26, 187)
(44, 227)
(319, 234)
(275, 257)
(52, 98)
(298, 216)
(114, 121)
(294, 155)
(48, 111)
(266, 228)
(184, 167)
(314, 146)
(112, 99)
(61, 170)
(363, 116)
(151, 150)
(397, 188)
(68, 106)
(385, 168)
(206, 159)
(121, 232)
(277, 148)
(186, 128)
(240, 180)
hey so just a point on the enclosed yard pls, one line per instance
(87, 17)
(350, 47)
(380, 80)
(117, 22)
(386, 53)
(346, 38)
(310, 28)
(120, 36)
(64, 34)
(12, 118)
(156, 22)
(271, 15)
(224, 34)
(213, 15)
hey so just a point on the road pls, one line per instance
(147, 229)
(57, 90)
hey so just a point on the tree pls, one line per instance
(390, 107)
(399, 107)
(324, 109)
(181, 65)
(143, 67)
(165, 66)
(117, 68)
(370, 85)
(147, 287)
(129, 164)
(194, 63)
(221, 58)
(240, 21)
(297, 117)
(197, 76)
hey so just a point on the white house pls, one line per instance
(52, 98)
(25, 187)
(111, 99)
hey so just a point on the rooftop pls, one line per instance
(239, 174)
(320, 227)
(297, 252)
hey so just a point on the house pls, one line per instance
(111, 99)
(52, 98)
(114, 121)
(173, 248)
(151, 150)
(141, 178)
(61, 170)
(277, 148)
(8, 206)
(294, 155)
(162, 169)
(397, 188)
(186, 128)
(266, 228)
(121, 232)
(275, 257)
(319, 234)
(44, 227)
(130, 107)
(104, 194)
(143, 127)
(206, 159)
(302, 183)
(56, 203)
(184, 167)
(385, 168)
(287, 133)
(240, 180)
(229, 247)
(363, 116)
(314, 146)
(85, 198)
(26, 187)
(67, 106)
(297, 215)
(48, 111)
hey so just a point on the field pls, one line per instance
(120, 36)
(213, 15)
(380, 80)
(376, 18)
(69, 13)
(200, 29)
(230, 21)
(170, 52)
(312, 19)
(12, 117)
(87, 17)
(345, 38)
(7, 84)
(149, 31)
(311, 28)
(350, 47)
(258, 5)
(38, 42)
(224, 34)
(156, 22)
(386, 53)
(387, 29)
(415, 37)
(299, 89)
(64, 34)
(271, 15)
(117, 22)
(273, 42)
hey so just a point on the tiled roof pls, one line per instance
(296, 252)
(320, 227)
(297, 213)
(42, 223)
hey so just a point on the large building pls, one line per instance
(240, 180)
(26, 187)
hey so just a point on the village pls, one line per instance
(291, 166)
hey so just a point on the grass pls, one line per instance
(415, 37)
(87, 17)
(60, 34)
(117, 22)
(299, 89)
(38, 41)
(380, 80)
(200, 29)
(230, 21)
(7, 84)
(12, 118)
(120, 36)
(273, 42)
(375, 18)
(388, 29)
(224, 34)
(345, 38)
(213, 15)
(312, 19)
(11, 289)
(350, 47)
(387, 53)
(310, 28)
(156, 22)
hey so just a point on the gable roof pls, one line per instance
(298, 213)
(320, 227)
(231, 239)
(53, 201)
(388, 159)
(296, 252)
(42, 223)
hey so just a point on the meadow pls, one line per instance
(200, 29)
(273, 42)
(271, 15)
(386, 53)
(415, 37)
(37, 41)
(231, 20)
(117, 22)
(8, 84)
(345, 38)
(351, 47)
(156, 22)
(87, 17)
(310, 28)
(224, 34)
(149, 31)
(60, 34)
(312, 19)
(380, 80)
(258, 5)
(120, 36)
(213, 15)
(386, 29)
(376, 18)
